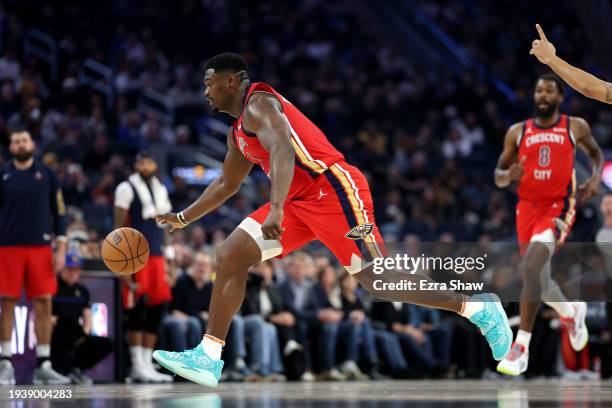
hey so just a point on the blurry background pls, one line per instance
(417, 93)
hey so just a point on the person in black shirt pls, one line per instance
(333, 329)
(31, 211)
(184, 326)
(396, 318)
(188, 317)
(354, 311)
(264, 298)
(73, 348)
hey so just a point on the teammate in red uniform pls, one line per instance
(539, 155)
(315, 194)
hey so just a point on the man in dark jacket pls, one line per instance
(294, 291)
(265, 299)
(396, 318)
(73, 347)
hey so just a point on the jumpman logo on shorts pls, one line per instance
(321, 194)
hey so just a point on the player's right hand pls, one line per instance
(543, 50)
(516, 171)
(170, 220)
(272, 228)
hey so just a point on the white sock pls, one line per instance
(136, 355)
(212, 346)
(6, 349)
(471, 307)
(43, 350)
(523, 338)
(147, 355)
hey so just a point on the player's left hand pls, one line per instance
(542, 48)
(589, 188)
(59, 260)
(169, 221)
(271, 228)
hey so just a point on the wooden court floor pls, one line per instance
(379, 394)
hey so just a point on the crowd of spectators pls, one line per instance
(425, 138)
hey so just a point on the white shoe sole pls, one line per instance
(508, 371)
(581, 311)
(200, 377)
(502, 312)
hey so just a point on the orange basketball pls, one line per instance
(125, 251)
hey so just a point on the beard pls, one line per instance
(146, 176)
(546, 113)
(23, 155)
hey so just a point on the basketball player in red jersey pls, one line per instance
(539, 155)
(585, 83)
(315, 194)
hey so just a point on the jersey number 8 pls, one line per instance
(544, 160)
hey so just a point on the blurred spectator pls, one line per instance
(415, 344)
(145, 293)
(439, 334)
(295, 289)
(73, 346)
(183, 327)
(364, 349)
(264, 298)
(333, 330)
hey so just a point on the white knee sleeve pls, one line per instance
(357, 264)
(547, 238)
(270, 248)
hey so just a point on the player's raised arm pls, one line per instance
(235, 170)
(585, 142)
(585, 83)
(263, 116)
(508, 168)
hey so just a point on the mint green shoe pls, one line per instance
(194, 365)
(493, 324)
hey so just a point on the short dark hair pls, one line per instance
(143, 154)
(227, 62)
(553, 78)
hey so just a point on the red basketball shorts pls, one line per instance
(533, 218)
(337, 210)
(27, 266)
(152, 282)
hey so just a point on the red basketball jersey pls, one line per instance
(313, 152)
(549, 161)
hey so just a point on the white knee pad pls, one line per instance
(270, 248)
(546, 237)
(357, 264)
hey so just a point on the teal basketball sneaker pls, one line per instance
(194, 365)
(493, 324)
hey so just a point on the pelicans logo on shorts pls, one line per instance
(360, 231)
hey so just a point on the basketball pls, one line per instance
(125, 251)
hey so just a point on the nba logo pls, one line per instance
(99, 317)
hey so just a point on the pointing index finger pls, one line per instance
(541, 32)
